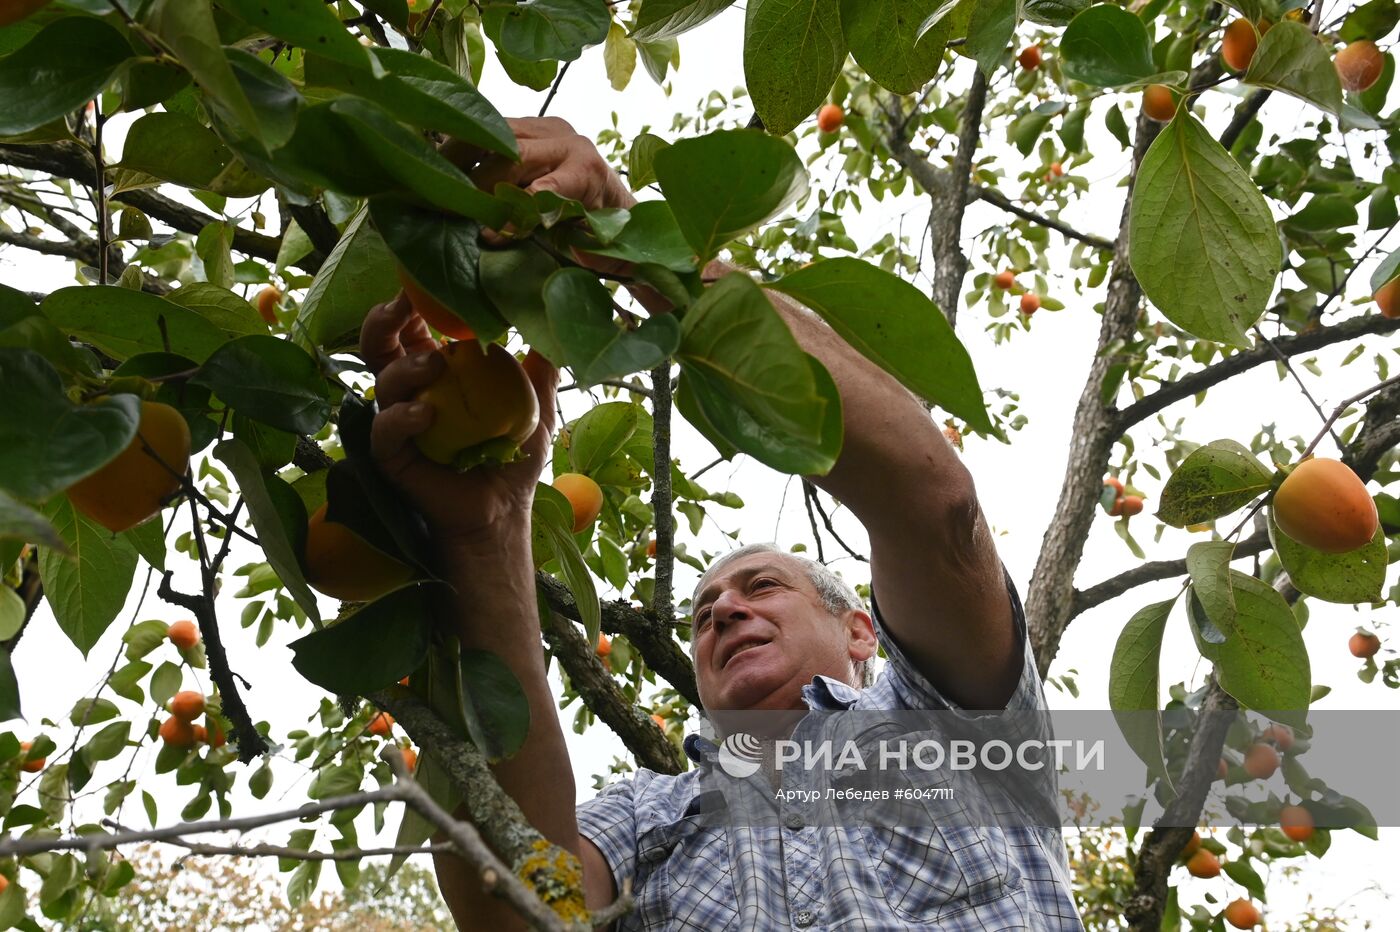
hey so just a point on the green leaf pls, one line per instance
(375, 647)
(307, 24)
(1264, 664)
(280, 550)
(20, 522)
(1208, 563)
(303, 883)
(619, 57)
(640, 158)
(87, 590)
(1132, 683)
(595, 347)
(442, 253)
(989, 32)
(1195, 208)
(1029, 126)
(600, 433)
(725, 183)
(513, 281)
(1052, 12)
(165, 682)
(1372, 20)
(59, 70)
(107, 743)
(12, 611)
(1107, 46)
(272, 96)
(886, 40)
(546, 30)
(497, 711)
(123, 323)
(1243, 873)
(1114, 122)
(405, 157)
(269, 380)
(148, 540)
(666, 19)
(214, 246)
(422, 92)
(536, 75)
(124, 681)
(144, 637)
(1211, 482)
(552, 515)
(47, 443)
(415, 829)
(221, 307)
(1291, 59)
(793, 51)
(188, 30)
(895, 326)
(175, 148)
(1349, 578)
(650, 236)
(9, 686)
(358, 274)
(754, 384)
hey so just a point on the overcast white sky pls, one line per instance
(1018, 484)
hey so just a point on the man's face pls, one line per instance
(761, 633)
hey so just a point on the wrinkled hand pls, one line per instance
(476, 507)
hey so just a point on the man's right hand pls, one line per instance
(476, 507)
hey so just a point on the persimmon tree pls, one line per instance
(285, 166)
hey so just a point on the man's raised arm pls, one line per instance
(941, 590)
(480, 524)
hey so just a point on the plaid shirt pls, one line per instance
(687, 875)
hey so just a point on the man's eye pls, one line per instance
(762, 582)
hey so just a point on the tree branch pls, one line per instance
(995, 197)
(949, 204)
(71, 161)
(651, 637)
(600, 693)
(1199, 381)
(661, 596)
(1164, 843)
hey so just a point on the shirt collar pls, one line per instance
(823, 694)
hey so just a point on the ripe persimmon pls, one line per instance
(187, 705)
(1239, 45)
(1281, 736)
(651, 547)
(484, 406)
(343, 565)
(183, 634)
(1203, 864)
(583, 494)
(1324, 505)
(1261, 761)
(177, 733)
(1159, 103)
(660, 722)
(268, 299)
(1242, 914)
(604, 647)
(381, 725)
(1359, 65)
(12, 12)
(437, 314)
(1131, 505)
(30, 766)
(215, 732)
(1029, 57)
(201, 734)
(1364, 644)
(131, 488)
(1297, 822)
(1030, 303)
(1191, 847)
(830, 117)
(1387, 298)
(1004, 279)
(410, 758)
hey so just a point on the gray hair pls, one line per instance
(836, 594)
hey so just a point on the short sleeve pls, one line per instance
(609, 820)
(914, 691)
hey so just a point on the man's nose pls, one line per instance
(730, 606)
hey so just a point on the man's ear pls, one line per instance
(861, 629)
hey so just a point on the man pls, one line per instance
(771, 632)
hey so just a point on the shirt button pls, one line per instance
(793, 821)
(803, 918)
